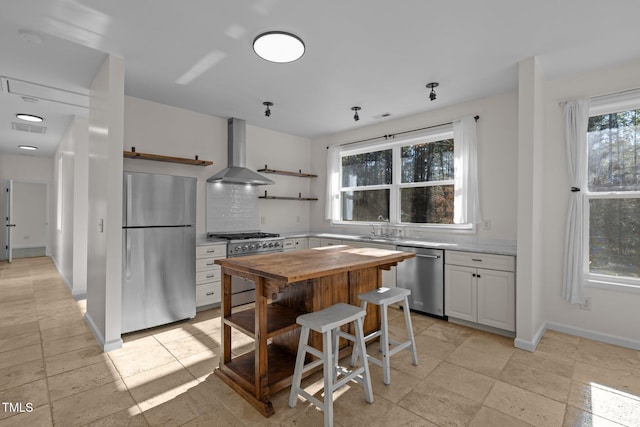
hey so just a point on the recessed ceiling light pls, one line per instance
(27, 147)
(278, 46)
(29, 118)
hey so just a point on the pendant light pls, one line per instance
(432, 86)
(267, 104)
(356, 117)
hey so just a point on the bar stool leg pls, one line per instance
(384, 345)
(297, 376)
(329, 373)
(407, 319)
(354, 353)
(360, 344)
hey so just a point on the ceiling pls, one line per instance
(376, 54)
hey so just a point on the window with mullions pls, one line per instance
(426, 188)
(613, 194)
(410, 182)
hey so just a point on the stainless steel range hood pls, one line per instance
(236, 172)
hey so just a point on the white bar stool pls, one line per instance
(328, 322)
(383, 297)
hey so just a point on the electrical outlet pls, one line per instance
(262, 220)
(486, 224)
(587, 304)
(298, 218)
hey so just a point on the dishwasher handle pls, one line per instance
(428, 256)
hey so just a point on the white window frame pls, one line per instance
(443, 132)
(605, 105)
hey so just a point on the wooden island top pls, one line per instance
(289, 284)
(307, 264)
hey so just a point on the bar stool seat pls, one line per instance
(328, 322)
(383, 297)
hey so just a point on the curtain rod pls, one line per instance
(606, 95)
(393, 135)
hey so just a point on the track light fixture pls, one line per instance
(267, 104)
(432, 94)
(356, 117)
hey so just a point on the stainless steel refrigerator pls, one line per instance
(158, 270)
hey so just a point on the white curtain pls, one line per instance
(576, 117)
(466, 203)
(332, 205)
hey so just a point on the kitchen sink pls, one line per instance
(378, 238)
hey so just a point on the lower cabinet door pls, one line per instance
(208, 293)
(496, 299)
(460, 292)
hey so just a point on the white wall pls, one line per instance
(529, 322)
(22, 168)
(284, 152)
(69, 251)
(614, 314)
(161, 129)
(104, 262)
(497, 132)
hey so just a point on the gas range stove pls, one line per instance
(250, 243)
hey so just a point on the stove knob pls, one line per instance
(276, 244)
(251, 247)
(270, 244)
(244, 247)
(258, 245)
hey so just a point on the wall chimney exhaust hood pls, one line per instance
(236, 172)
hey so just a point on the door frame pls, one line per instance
(47, 185)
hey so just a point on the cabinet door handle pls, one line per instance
(211, 263)
(210, 293)
(210, 251)
(209, 276)
(476, 259)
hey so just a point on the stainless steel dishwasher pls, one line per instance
(424, 277)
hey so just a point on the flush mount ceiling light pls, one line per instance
(432, 94)
(29, 118)
(356, 117)
(267, 104)
(278, 46)
(27, 147)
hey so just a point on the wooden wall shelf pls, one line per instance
(159, 158)
(266, 196)
(288, 173)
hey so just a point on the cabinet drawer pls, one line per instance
(480, 260)
(209, 293)
(206, 264)
(216, 251)
(209, 275)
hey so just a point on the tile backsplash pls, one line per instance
(232, 207)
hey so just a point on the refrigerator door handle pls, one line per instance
(127, 263)
(127, 201)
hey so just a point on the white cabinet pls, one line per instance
(295, 244)
(480, 288)
(316, 242)
(208, 274)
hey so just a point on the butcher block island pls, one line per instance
(289, 284)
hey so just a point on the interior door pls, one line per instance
(9, 218)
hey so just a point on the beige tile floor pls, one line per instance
(52, 369)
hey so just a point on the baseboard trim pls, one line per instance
(106, 346)
(533, 344)
(596, 336)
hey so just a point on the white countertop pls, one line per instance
(472, 244)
